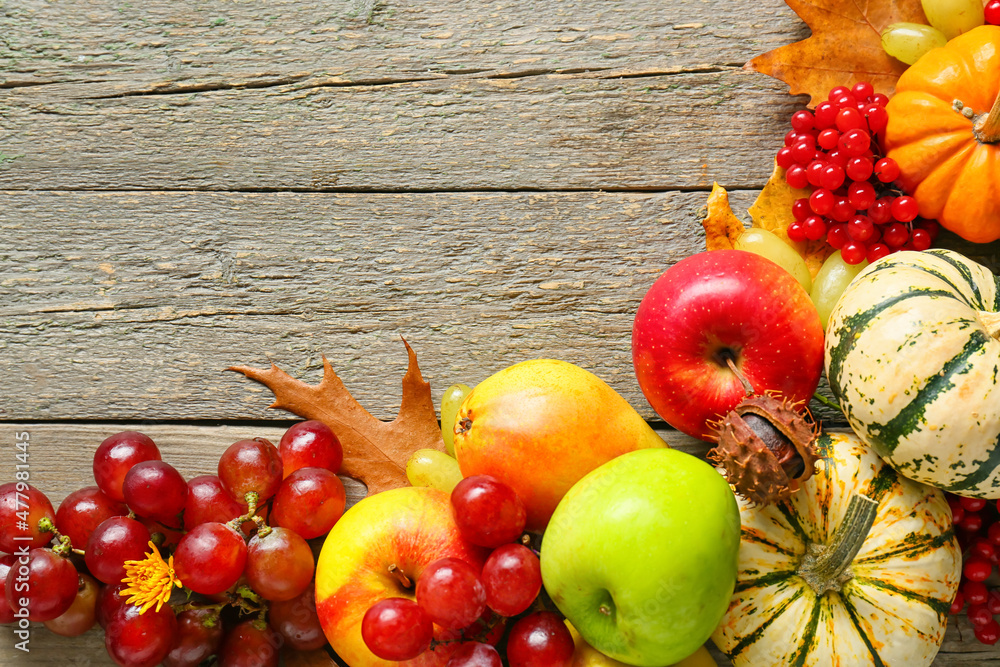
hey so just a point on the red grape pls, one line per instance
(512, 578)
(22, 506)
(113, 542)
(198, 637)
(7, 561)
(140, 639)
(310, 444)
(475, 654)
(250, 644)
(84, 510)
(396, 629)
(487, 511)
(210, 558)
(540, 639)
(279, 565)
(309, 502)
(116, 456)
(82, 612)
(47, 582)
(109, 601)
(155, 489)
(208, 501)
(251, 465)
(450, 591)
(297, 621)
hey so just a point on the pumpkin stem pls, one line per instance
(826, 567)
(987, 127)
(991, 321)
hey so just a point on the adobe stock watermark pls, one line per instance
(21, 530)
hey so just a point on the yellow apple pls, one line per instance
(586, 655)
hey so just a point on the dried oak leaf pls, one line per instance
(772, 211)
(845, 47)
(375, 452)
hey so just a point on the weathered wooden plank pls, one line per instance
(60, 459)
(129, 306)
(156, 46)
(552, 132)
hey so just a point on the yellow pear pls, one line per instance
(541, 425)
(585, 655)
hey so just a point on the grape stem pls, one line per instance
(987, 127)
(65, 545)
(263, 530)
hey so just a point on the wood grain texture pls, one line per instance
(157, 46)
(149, 296)
(551, 132)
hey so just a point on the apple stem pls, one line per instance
(827, 567)
(604, 609)
(747, 387)
(400, 577)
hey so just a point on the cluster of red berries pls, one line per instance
(853, 206)
(991, 12)
(978, 528)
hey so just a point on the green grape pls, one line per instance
(430, 467)
(953, 17)
(451, 401)
(766, 244)
(908, 41)
(831, 281)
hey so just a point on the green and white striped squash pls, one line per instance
(858, 567)
(913, 357)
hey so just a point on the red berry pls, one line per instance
(802, 121)
(876, 252)
(827, 139)
(905, 208)
(854, 142)
(836, 235)
(796, 232)
(887, 170)
(975, 592)
(957, 604)
(821, 201)
(836, 156)
(979, 615)
(796, 177)
(993, 532)
(991, 12)
(932, 227)
(850, 118)
(814, 172)
(860, 228)
(859, 168)
(832, 176)
(993, 603)
(921, 239)
(989, 633)
(784, 158)
(895, 235)
(861, 195)
(804, 152)
(845, 100)
(977, 569)
(800, 209)
(877, 117)
(814, 227)
(853, 252)
(839, 91)
(862, 91)
(825, 115)
(879, 98)
(972, 504)
(972, 522)
(881, 211)
(983, 548)
(842, 210)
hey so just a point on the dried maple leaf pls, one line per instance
(722, 228)
(772, 210)
(845, 46)
(375, 452)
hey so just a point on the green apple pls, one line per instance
(640, 555)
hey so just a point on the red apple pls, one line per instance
(379, 549)
(719, 305)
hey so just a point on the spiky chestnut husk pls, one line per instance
(760, 442)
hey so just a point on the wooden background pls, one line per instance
(187, 188)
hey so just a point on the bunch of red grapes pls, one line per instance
(835, 151)
(977, 524)
(473, 604)
(237, 539)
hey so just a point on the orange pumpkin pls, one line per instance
(948, 161)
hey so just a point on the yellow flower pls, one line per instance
(150, 581)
